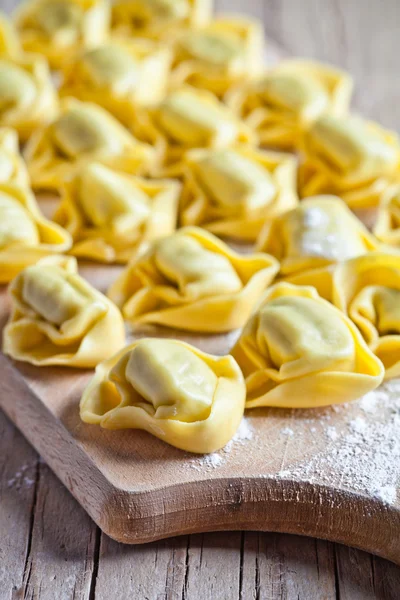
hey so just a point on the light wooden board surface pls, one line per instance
(49, 548)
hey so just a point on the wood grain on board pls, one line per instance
(65, 552)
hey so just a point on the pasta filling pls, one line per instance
(16, 87)
(16, 226)
(49, 293)
(104, 199)
(235, 183)
(299, 336)
(170, 381)
(187, 119)
(196, 271)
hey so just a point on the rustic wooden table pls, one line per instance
(49, 547)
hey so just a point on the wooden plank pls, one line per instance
(156, 570)
(286, 566)
(60, 563)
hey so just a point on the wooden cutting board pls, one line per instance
(327, 473)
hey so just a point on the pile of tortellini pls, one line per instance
(167, 138)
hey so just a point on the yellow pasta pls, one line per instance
(119, 75)
(158, 19)
(109, 214)
(192, 281)
(282, 104)
(234, 192)
(299, 351)
(83, 132)
(27, 95)
(350, 157)
(58, 318)
(9, 41)
(25, 235)
(12, 165)
(320, 231)
(59, 28)
(227, 51)
(191, 400)
(387, 226)
(188, 118)
(367, 289)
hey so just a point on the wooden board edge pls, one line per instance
(261, 504)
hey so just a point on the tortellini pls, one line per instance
(225, 52)
(234, 192)
(299, 351)
(109, 214)
(58, 318)
(367, 289)
(192, 281)
(25, 235)
(283, 103)
(188, 118)
(9, 41)
(82, 133)
(119, 75)
(158, 18)
(27, 95)
(350, 157)
(12, 165)
(58, 28)
(320, 231)
(387, 226)
(191, 400)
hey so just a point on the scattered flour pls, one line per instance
(22, 477)
(331, 433)
(216, 459)
(287, 431)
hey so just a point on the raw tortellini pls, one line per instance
(27, 95)
(119, 75)
(387, 227)
(225, 52)
(109, 214)
(25, 235)
(349, 157)
(282, 104)
(58, 28)
(299, 351)
(187, 398)
(58, 318)
(188, 118)
(192, 281)
(234, 192)
(9, 41)
(367, 289)
(12, 165)
(82, 133)
(158, 18)
(320, 231)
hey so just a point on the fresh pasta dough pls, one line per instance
(83, 132)
(58, 318)
(227, 51)
(25, 235)
(192, 281)
(119, 75)
(28, 98)
(320, 231)
(299, 351)
(9, 41)
(282, 104)
(158, 19)
(188, 118)
(12, 166)
(191, 400)
(367, 289)
(387, 226)
(350, 157)
(234, 192)
(58, 28)
(110, 214)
